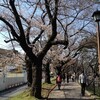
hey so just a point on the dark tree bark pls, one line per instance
(37, 78)
(36, 70)
(47, 73)
(29, 70)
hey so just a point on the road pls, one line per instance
(12, 92)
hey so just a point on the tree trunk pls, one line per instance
(37, 79)
(47, 73)
(29, 70)
(29, 76)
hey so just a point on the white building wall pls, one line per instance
(7, 82)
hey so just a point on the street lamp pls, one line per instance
(96, 16)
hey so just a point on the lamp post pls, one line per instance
(96, 16)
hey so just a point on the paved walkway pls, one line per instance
(70, 91)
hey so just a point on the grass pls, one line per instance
(47, 87)
(23, 96)
(26, 94)
(97, 90)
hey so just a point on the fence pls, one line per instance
(8, 82)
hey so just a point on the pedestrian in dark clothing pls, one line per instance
(67, 78)
(82, 81)
(63, 77)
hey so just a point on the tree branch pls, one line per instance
(62, 42)
(18, 21)
(10, 40)
(11, 28)
(38, 37)
(48, 10)
(56, 9)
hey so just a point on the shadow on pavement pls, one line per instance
(69, 84)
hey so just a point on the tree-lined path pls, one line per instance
(51, 33)
(69, 91)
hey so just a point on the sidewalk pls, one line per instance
(70, 91)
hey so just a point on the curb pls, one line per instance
(11, 87)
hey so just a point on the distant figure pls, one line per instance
(59, 80)
(63, 77)
(67, 78)
(73, 77)
(82, 81)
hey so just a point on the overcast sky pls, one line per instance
(8, 46)
(2, 43)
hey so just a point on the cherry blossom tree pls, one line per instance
(38, 25)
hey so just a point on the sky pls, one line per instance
(8, 46)
(2, 43)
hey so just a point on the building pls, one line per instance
(11, 58)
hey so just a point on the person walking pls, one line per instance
(82, 81)
(72, 77)
(67, 78)
(63, 77)
(59, 80)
